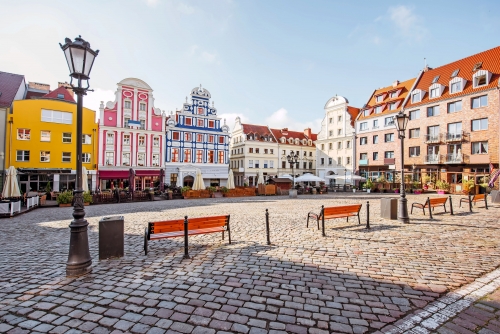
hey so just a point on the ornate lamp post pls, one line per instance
(80, 58)
(292, 159)
(401, 122)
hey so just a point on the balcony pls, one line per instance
(389, 161)
(454, 137)
(453, 158)
(363, 162)
(433, 138)
(432, 159)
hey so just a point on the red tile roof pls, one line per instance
(262, 130)
(60, 91)
(354, 113)
(490, 61)
(279, 133)
(9, 86)
(33, 95)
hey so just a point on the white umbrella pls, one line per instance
(85, 179)
(309, 178)
(230, 180)
(288, 176)
(11, 187)
(198, 181)
(261, 178)
(347, 177)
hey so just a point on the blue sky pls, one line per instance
(270, 62)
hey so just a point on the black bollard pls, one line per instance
(267, 228)
(486, 201)
(430, 209)
(470, 203)
(367, 214)
(451, 206)
(186, 251)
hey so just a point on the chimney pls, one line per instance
(307, 132)
(39, 86)
(284, 131)
(395, 83)
(67, 86)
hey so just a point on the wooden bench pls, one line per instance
(431, 203)
(333, 212)
(476, 198)
(186, 227)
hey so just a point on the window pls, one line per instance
(271, 151)
(339, 161)
(330, 146)
(250, 150)
(187, 136)
(330, 120)
(53, 116)
(156, 141)
(375, 139)
(221, 157)
(363, 140)
(257, 164)
(199, 138)
(375, 156)
(348, 161)
(432, 111)
(392, 106)
(366, 112)
(125, 122)
(188, 121)
(127, 104)
(388, 137)
(211, 156)
(330, 161)
(66, 137)
(379, 98)
(199, 156)
(86, 158)
(271, 163)
(348, 144)
(44, 156)
(250, 163)
(480, 80)
(389, 121)
(142, 106)
(455, 73)
(175, 155)
(45, 136)
(110, 158)
(363, 126)
(187, 155)
(211, 124)
(480, 147)
(141, 159)
(200, 111)
(435, 92)
(339, 119)
(60, 96)
(415, 151)
(454, 106)
(415, 97)
(415, 133)
(86, 139)
(221, 140)
(66, 157)
(201, 122)
(339, 145)
(339, 132)
(110, 138)
(456, 87)
(23, 134)
(330, 133)
(479, 124)
(378, 109)
(479, 102)
(156, 160)
(363, 156)
(256, 150)
(310, 154)
(126, 159)
(211, 138)
(414, 114)
(265, 163)
(176, 135)
(389, 154)
(436, 78)
(304, 165)
(142, 141)
(126, 140)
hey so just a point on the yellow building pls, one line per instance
(41, 142)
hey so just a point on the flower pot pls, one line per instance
(441, 192)
(65, 204)
(354, 190)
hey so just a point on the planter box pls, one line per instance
(417, 192)
(441, 192)
(65, 205)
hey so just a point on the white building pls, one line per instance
(336, 140)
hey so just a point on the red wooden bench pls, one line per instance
(333, 212)
(476, 198)
(186, 227)
(431, 203)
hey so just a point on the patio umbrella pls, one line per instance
(11, 187)
(198, 181)
(288, 176)
(309, 178)
(85, 179)
(230, 180)
(347, 177)
(261, 178)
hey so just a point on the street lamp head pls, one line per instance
(401, 122)
(79, 56)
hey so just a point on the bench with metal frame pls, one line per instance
(186, 227)
(432, 203)
(333, 212)
(476, 198)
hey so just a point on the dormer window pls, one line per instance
(378, 109)
(436, 78)
(392, 106)
(309, 142)
(416, 96)
(366, 112)
(297, 142)
(60, 96)
(435, 90)
(457, 84)
(477, 66)
(304, 142)
(283, 140)
(379, 98)
(290, 141)
(481, 78)
(394, 94)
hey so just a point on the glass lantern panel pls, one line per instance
(78, 58)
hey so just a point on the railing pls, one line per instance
(432, 159)
(454, 158)
(363, 162)
(453, 136)
(433, 138)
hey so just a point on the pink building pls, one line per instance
(131, 138)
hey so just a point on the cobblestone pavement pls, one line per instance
(352, 281)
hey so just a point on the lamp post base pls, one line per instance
(79, 260)
(403, 210)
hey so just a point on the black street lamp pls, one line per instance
(292, 159)
(80, 58)
(345, 175)
(401, 122)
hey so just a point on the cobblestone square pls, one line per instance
(354, 280)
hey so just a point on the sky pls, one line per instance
(270, 62)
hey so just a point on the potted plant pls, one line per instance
(396, 190)
(87, 198)
(415, 186)
(468, 186)
(368, 185)
(442, 187)
(48, 189)
(65, 198)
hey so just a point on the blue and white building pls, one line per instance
(196, 139)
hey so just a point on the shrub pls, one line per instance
(224, 190)
(468, 185)
(443, 185)
(368, 184)
(211, 189)
(66, 197)
(184, 189)
(87, 197)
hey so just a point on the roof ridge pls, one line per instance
(462, 59)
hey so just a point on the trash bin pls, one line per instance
(389, 208)
(495, 196)
(111, 237)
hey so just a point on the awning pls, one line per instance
(147, 172)
(113, 174)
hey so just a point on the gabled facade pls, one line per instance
(377, 143)
(196, 139)
(132, 138)
(41, 136)
(453, 127)
(335, 144)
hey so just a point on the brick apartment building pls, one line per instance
(453, 131)
(377, 143)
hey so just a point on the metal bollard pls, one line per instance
(430, 209)
(470, 203)
(486, 201)
(186, 251)
(267, 228)
(367, 214)
(451, 206)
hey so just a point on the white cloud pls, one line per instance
(93, 99)
(184, 9)
(280, 119)
(407, 22)
(231, 117)
(152, 3)
(202, 55)
(208, 57)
